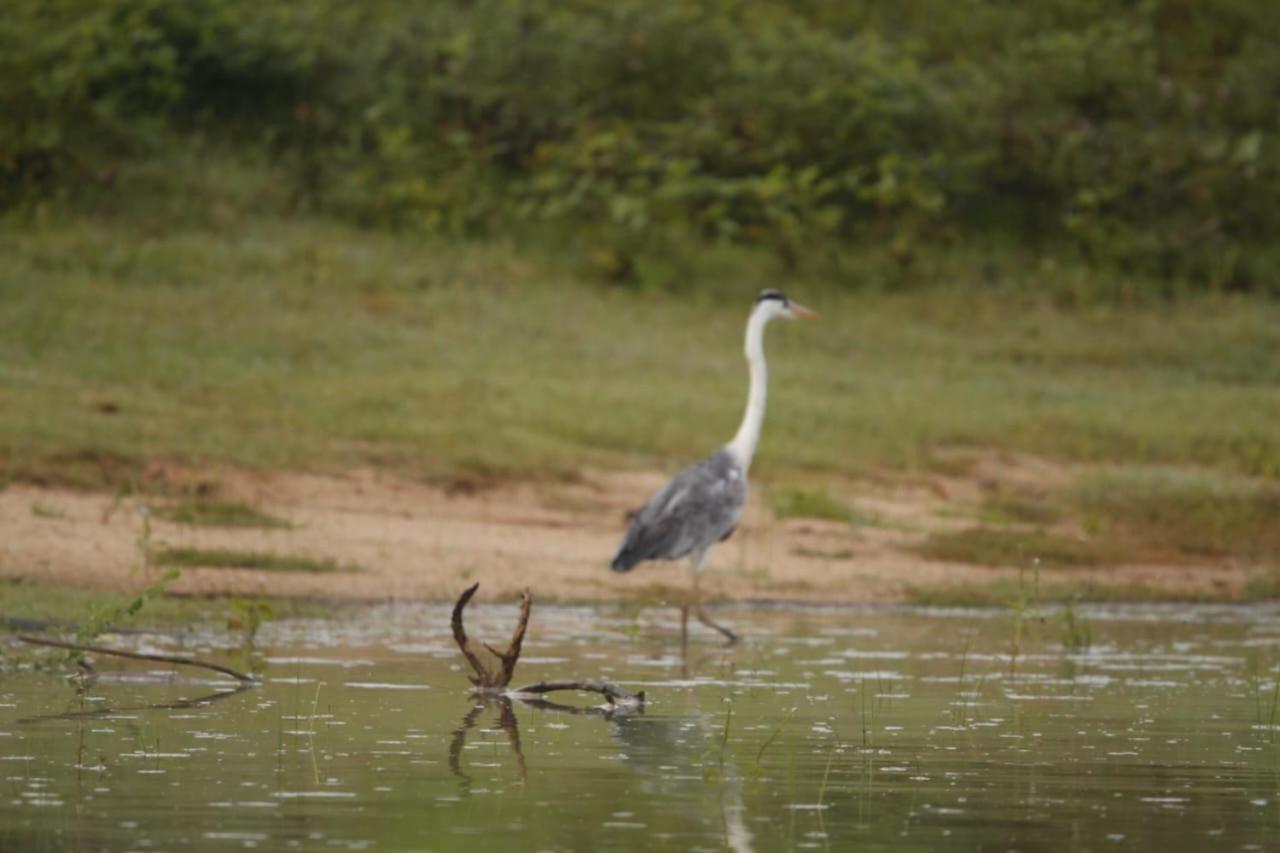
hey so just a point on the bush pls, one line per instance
(1138, 135)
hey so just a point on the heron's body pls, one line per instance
(698, 508)
(703, 503)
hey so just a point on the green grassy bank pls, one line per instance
(303, 343)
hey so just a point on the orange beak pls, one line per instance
(798, 310)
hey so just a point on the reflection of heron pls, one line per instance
(670, 754)
(673, 756)
(702, 504)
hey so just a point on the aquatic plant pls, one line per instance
(105, 618)
(1077, 634)
(1025, 607)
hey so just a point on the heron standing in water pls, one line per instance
(702, 504)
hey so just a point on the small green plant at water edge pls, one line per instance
(247, 616)
(211, 513)
(1273, 715)
(715, 775)
(1266, 698)
(1077, 634)
(773, 736)
(104, 619)
(800, 503)
(219, 558)
(1026, 606)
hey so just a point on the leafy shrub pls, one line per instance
(1139, 135)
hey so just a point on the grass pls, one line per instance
(994, 547)
(499, 358)
(41, 602)
(219, 558)
(1264, 586)
(1134, 513)
(1165, 513)
(1009, 508)
(218, 513)
(1001, 592)
(800, 503)
(823, 554)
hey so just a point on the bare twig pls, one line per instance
(612, 693)
(174, 659)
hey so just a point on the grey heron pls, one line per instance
(702, 504)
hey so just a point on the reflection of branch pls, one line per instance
(506, 720)
(198, 701)
(529, 696)
(612, 693)
(491, 689)
(175, 659)
(459, 741)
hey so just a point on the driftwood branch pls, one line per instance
(484, 678)
(488, 681)
(612, 693)
(121, 653)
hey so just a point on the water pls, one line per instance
(880, 729)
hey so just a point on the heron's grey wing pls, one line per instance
(699, 507)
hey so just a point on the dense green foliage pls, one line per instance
(1140, 136)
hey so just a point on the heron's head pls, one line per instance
(778, 305)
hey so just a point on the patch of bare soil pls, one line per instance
(417, 541)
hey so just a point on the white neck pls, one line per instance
(743, 446)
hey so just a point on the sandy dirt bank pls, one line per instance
(418, 541)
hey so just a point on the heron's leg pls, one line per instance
(684, 631)
(696, 565)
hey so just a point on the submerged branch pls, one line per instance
(612, 693)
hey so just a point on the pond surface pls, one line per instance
(826, 729)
